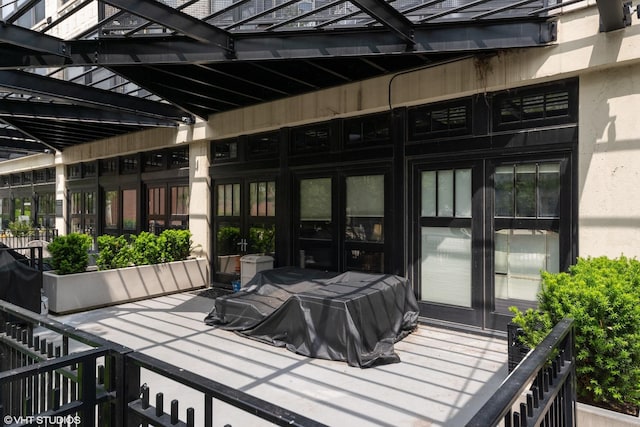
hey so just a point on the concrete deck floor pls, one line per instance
(443, 378)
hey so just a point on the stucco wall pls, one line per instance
(609, 166)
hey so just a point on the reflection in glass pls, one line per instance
(365, 208)
(503, 184)
(520, 256)
(525, 191)
(130, 209)
(445, 193)
(315, 208)
(368, 261)
(111, 215)
(549, 190)
(463, 193)
(429, 193)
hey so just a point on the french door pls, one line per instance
(244, 222)
(341, 221)
(482, 233)
(447, 241)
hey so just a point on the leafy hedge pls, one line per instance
(70, 253)
(144, 249)
(603, 296)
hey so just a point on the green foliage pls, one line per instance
(70, 253)
(261, 240)
(602, 295)
(143, 249)
(20, 228)
(228, 239)
(175, 245)
(113, 252)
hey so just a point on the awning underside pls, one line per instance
(158, 64)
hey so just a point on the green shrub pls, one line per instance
(144, 249)
(70, 253)
(174, 245)
(602, 295)
(113, 252)
(20, 228)
(228, 240)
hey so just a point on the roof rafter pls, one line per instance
(388, 16)
(84, 95)
(178, 21)
(33, 40)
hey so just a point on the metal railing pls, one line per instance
(56, 374)
(541, 390)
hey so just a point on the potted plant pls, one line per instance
(602, 295)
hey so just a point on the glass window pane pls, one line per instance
(365, 208)
(271, 198)
(446, 265)
(503, 183)
(520, 256)
(445, 193)
(549, 190)
(111, 214)
(130, 209)
(428, 193)
(179, 200)
(526, 191)
(90, 203)
(315, 199)
(236, 200)
(463, 193)
(221, 200)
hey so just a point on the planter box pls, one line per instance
(592, 416)
(81, 291)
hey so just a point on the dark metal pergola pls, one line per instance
(149, 63)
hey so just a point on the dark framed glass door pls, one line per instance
(341, 221)
(245, 222)
(447, 241)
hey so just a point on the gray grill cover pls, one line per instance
(353, 317)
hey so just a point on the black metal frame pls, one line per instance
(541, 390)
(54, 371)
(229, 58)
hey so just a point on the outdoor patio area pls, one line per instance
(443, 378)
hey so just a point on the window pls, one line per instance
(179, 158)
(262, 146)
(438, 121)
(446, 193)
(368, 130)
(109, 166)
(111, 209)
(180, 206)
(228, 200)
(129, 210)
(129, 164)
(82, 211)
(46, 210)
(536, 106)
(225, 150)
(74, 171)
(262, 198)
(5, 212)
(154, 160)
(527, 239)
(311, 139)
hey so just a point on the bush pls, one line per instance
(174, 245)
(113, 252)
(70, 253)
(602, 295)
(20, 228)
(143, 249)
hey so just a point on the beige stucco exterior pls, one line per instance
(608, 68)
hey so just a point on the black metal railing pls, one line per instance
(541, 390)
(59, 375)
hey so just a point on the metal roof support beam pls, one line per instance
(85, 95)
(306, 44)
(178, 21)
(388, 16)
(614, 14)
(33, 40)
(42, 110)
